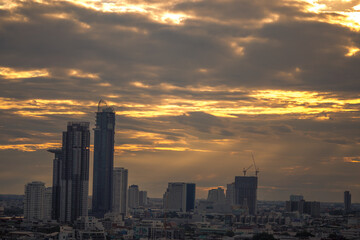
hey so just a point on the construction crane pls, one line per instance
(245, 169)
(256, 169)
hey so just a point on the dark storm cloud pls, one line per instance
(317, 49)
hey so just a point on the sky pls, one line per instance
(197, 86)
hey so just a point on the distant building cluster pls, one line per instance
(298, 204)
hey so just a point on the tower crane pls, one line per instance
(245, 169)
(256, 169)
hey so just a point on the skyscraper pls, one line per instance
(120, 185)
(55, 208)
(104, 133)
(75, 171)
(347, 201)
(34, 201)
(133, 193)
(246, 192)
(179, 196)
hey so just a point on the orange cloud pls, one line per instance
(355, 159)
(11, 73)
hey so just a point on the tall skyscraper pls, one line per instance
(104, 133)
(180, 196)
(74, 181)
(55, 209)
(347, 201)
(34, 201)
(120, 185)
(133, 199)
(246, 192)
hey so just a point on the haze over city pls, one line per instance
(197, 87)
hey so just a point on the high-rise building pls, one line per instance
(230, 196)
(34, 201)
(190, 196)
(104, 133)
(55, 209)
(120, 186)
(133, 199)
(295, 206)
(216, 195)
(312, 208)
(48, 204)
(347, 201)
(143, 198)
(180, 196)
(74, 179)
(246, 192)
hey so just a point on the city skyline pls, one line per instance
(197, 86)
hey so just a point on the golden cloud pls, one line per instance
(11, 73)
(299, 104)
(30, 147)
(355, 159)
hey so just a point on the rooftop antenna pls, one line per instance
(256, 169)
(245, 169)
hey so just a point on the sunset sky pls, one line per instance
(197, 86)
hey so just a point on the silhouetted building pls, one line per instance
(75, 171)
(104, 133)
(298, 204)
(180, 197)
(295, 206)
(296, 197)
(216, 195)
(190, 196)
(34, 201)
(246, 192)
(347, 201)
(55, 208)
(133, 199)
(48, 204)
(312, 208)
(230, 196)
(143, 198)
(120, 187)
